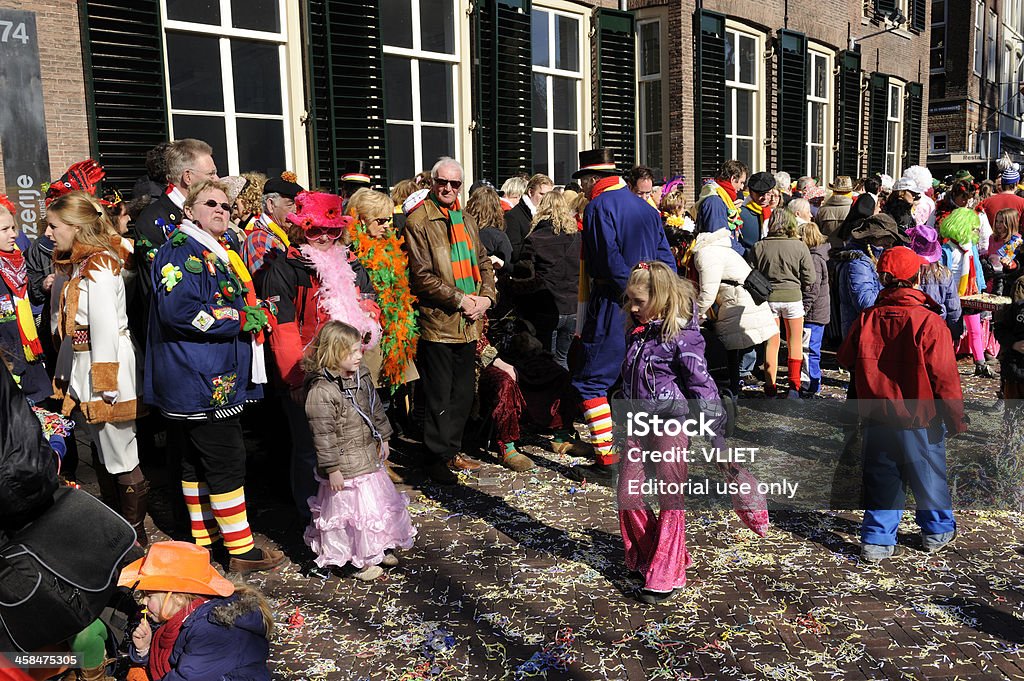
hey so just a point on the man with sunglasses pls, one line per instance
(451, 275)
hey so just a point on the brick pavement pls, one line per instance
(524, 574)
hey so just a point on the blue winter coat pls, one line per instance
(857, 281)
(750, 233)
(223, 640)
(198, 360)
(619, 230)
(943, 291)
(32, 377)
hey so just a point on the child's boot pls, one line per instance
(390, 559)
(133, 492)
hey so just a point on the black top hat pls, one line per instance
(596, 161)
(356, 172)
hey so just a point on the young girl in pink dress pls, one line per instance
(358, 516)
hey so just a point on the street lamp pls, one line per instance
(893, 21)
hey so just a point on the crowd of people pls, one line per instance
(361, 315)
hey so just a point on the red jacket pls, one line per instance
(901, 356)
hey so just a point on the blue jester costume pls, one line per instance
(619, 230)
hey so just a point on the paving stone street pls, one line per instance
(518, 576)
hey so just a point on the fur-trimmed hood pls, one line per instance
(244, 609)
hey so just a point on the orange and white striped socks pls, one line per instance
(598, 415)
(229, 510)
(200, 513)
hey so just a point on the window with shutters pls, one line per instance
(894, 130)
(421, 71)
(744, 80)
(227, 82)
(979, 38)
(819, 114)
(938, 36)
(652, 96)
(558, 105)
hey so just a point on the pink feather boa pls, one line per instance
(339, 298)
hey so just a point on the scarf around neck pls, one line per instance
(465, 267)
(339, 297)
(267, 223)
(164, 637)
(15, 275)
(234, 261)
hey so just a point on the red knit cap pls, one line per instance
(901, 262)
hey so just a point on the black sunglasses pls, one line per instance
(213, 203)
(454, 184)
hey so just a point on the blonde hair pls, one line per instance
(370, 203)
(4, 210)
(252, 195)
(332, 346)
(579, 204)
(1007, 223)
(812, 236)
(201, 186)
(538, 180)
(402, 190)
(180, 599)
(514, 187)
(673, 203)
(555, 208)
(671, 296)
(82, 210)
(485, 208)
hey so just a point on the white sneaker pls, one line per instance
(390, 559)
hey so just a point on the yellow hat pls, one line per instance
(176, 567)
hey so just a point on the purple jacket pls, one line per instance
(669, 373)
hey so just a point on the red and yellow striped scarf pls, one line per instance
(464, 263)
(15, 276)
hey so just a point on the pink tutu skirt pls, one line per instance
(359, 523)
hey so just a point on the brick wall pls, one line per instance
(827, 22)
(60, 56)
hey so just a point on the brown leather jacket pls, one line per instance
(431, 279)
(343, 438)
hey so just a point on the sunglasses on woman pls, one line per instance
(332, 233)
(213, 203)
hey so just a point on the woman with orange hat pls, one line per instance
(198, 625)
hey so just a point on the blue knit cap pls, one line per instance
(1011, 175)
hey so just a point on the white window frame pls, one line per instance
(582, 102)
(933, 138)
(939, 24)
(416, 54)
(642, 132)
(894, 143)
(731, 85)
(979, 36)
(823, 53)
(225, 32)
(991, 70)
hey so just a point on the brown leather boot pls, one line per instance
(133, 489)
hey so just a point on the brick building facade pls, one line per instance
(797, 95)
(977, 68)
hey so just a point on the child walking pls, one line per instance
(663, 370)
(358, 516)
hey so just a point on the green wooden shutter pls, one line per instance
(709, 126)
(848, 114)
(877, 124)
(912, 125)
(615, 66)
(345, 92)
(918, 10)
(884, 7)
(501, 89)
(124, 76)
(792, 102)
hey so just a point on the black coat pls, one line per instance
(518, 224)
(149, 236)
(497, 243)
(555, 259)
